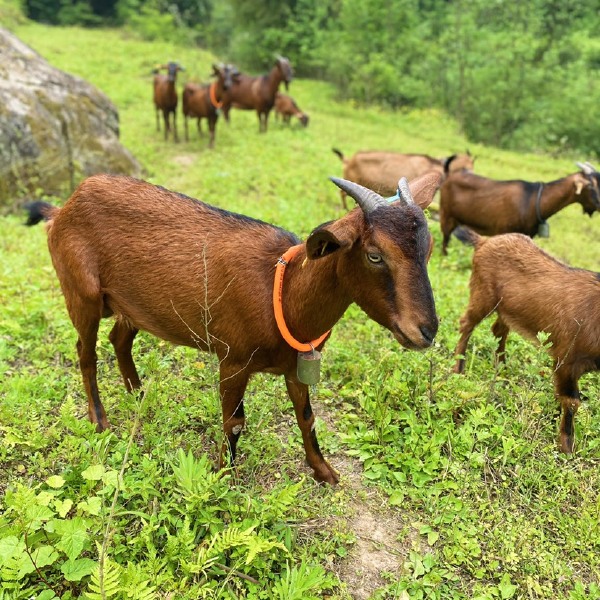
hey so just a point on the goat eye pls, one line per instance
(374, 257)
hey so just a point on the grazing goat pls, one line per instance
(204, 101)
(492, 207)
(532, 292)
(258, 93)
(165, 97)
(381, 170)
(287, 108)
(200, 276)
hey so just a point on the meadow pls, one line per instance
(451, 486)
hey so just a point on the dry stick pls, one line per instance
(237, 573)
(111, 514)
(36, 567)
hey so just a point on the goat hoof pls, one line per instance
(566, 443)
(327, 475)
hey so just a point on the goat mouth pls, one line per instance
(409, 343)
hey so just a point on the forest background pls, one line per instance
(489, 64)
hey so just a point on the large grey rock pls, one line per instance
(55, 129)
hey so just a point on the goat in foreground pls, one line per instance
(530, 291)
(258, 93)
(200, 276)
(493, 207)
(286, 107)
(204, 101)
(380, 171)
(165, 97)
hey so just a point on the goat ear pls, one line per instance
(324, 241)
(424, 188)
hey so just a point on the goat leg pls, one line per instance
(500, 330)
(86, 350)
(567, 393)
(232, 386)
(305, 417)
(121, 337)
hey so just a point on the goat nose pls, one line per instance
(428, 333)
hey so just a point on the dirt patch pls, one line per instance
(381, 545)
(383, 537)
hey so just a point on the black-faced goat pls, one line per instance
(532, 292)
(258, 93)
(204, 101)
(200, 276)
(492, 207)
(165, 97)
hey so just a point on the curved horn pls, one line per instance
(367, 199)
(404, 191)
(591, 166)
(585, 167)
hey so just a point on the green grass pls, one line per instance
(468, 464)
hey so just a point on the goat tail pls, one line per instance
(467, 236)
(39, 211)
(339, 153)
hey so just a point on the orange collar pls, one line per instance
(212, 95)
(277, 304)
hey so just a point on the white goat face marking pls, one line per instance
(236, 430)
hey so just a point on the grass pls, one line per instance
(467, 465)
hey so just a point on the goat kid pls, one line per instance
(381, 170)
(493, 207)
(200, 276)
(258, 93)
(286, 107)
(204, 101)
(530, 292)
(165, 97)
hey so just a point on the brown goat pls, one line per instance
(493, 207)
(381, 170)
(286, 107)
(258, 93)
(532, 292)
(204, 101)
(165, 97)
(199, 276)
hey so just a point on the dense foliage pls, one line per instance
(514, 74)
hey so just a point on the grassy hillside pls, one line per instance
(451, 487)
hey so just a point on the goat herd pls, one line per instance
(230, 88)
(168, 264)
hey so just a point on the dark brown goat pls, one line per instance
(204, 101)
(381, 170)
(258, 93)
(286, 107)
(165, 97)
(199, 276)
(493, 207)
(532, 292)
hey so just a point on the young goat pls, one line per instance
(258, 93)
(204, 101)
(200, 276)
(165, 97)
(531, 292)
(381, 170)
(287, 108)
(492, 207)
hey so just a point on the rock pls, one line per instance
(55, 129)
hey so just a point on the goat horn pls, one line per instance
(404, 191)
(585, 167)
(591, 166)
(367, 199)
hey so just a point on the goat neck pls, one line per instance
(556, 195)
